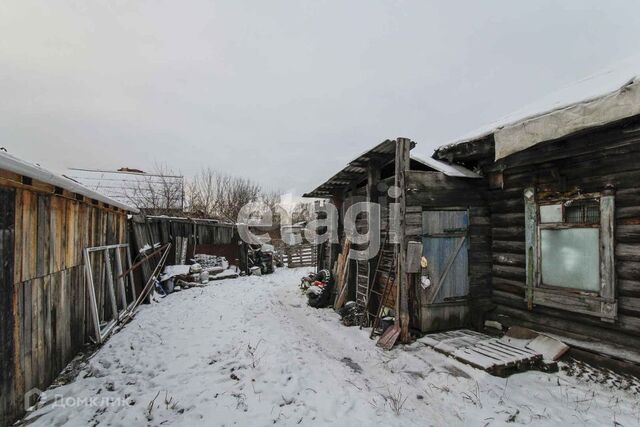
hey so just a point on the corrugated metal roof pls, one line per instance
(205, 221)
(356, 170)
(37, 172)
(131, 187)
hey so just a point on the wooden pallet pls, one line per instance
(481, 351)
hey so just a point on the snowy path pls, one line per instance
(249, 352)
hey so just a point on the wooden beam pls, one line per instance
(402, 164)
(373, 178)
(531, 243)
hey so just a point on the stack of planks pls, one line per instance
(342, 266)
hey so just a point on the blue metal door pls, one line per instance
(446, 245)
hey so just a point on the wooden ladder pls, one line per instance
(387, 264)
(384, 295)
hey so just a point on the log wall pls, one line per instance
(590, 162)
(44, 316)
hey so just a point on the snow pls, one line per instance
(230, 272)
(175, 270)
(250, 352)
(591, 88)
(448, 169)
(22, 167)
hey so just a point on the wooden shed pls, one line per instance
(441, 213)
(562, 188)
(46, 221)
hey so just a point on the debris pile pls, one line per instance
(202, 269)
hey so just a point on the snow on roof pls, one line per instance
(355, 170)
(37, 172)
(609, 95)
(448, 169)
(131, 186)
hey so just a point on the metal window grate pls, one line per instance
(583, 213)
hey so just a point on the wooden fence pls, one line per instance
(44, 315)
(301, 255)
(188, 237)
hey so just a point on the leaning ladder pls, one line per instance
(381, 263)
(384, 295)
(386, 264)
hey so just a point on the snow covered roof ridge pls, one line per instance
(449, 169)
(604, 97)
(22, 167)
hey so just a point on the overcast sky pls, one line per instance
(283, 92)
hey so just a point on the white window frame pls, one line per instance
(601, 304)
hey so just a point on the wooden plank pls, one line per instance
(17, 262)
(48, 365)
(35, 318)
(341, 274)
(607, 255)
(40, 346)
(29, 237)
(57, 231)
(57, 309)
(531, 243)
(433, 293)
(402, 165)
(7, 303)
(27, 332)
(67, 302)
(71, 230)
(18, 346)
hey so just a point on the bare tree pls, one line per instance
(202, 193)
(237, 192)
(216, 195)
(159, 192)
(302, 212)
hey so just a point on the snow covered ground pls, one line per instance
(249, 352)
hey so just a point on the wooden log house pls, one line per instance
(46, 220)
(562, 184)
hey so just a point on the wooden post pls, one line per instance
(373, 178)
(402, 164)
(531, 243)
(335, 247)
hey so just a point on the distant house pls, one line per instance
(152, 193)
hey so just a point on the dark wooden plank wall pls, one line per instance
(48, 306)
(7, 229)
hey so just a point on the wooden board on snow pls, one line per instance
(551, 348)
(484, 352)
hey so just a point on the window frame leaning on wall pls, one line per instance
(116, 283)
(602, 304)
